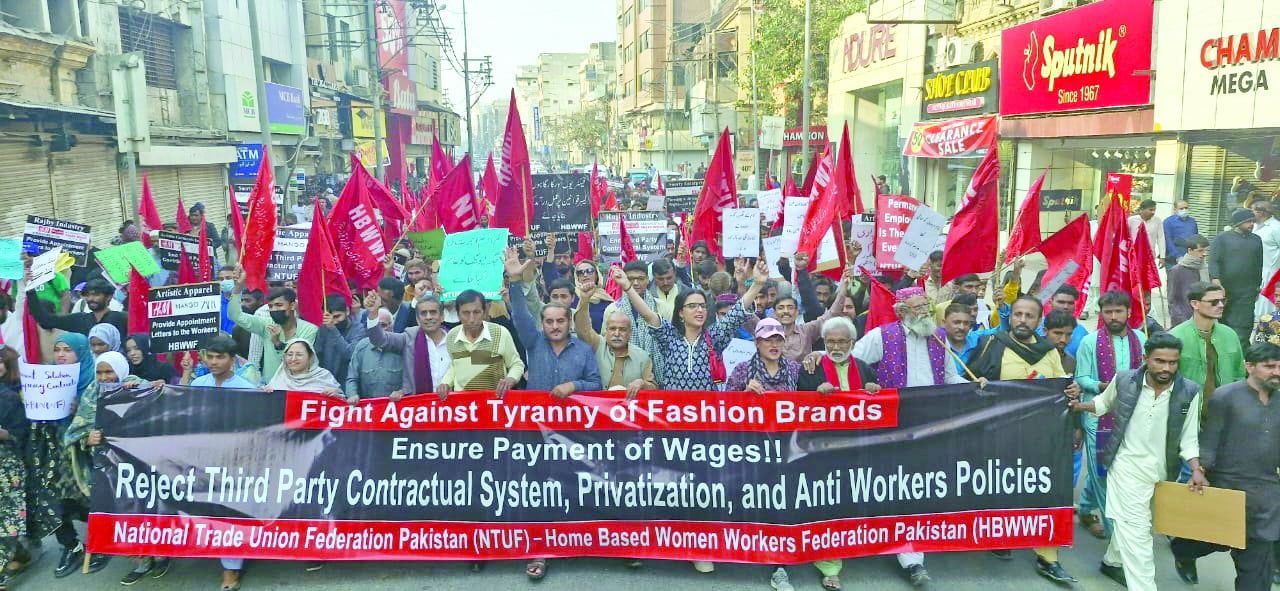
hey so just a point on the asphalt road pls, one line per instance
(976, 571)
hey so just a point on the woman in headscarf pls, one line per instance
(143, 363)
(13, 474)
(301, 372)
(55, 453)
(104, 337)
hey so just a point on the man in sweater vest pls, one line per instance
(1157, 422)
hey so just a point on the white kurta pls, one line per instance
(870, 349)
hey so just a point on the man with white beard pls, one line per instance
(909, 353)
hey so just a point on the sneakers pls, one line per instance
(704, 566)
(780, 581)
(138, 572)
(918, 575)
(161, 567)
(69, 561)
(1114, 573)
(1053, 571)
(1187, 571)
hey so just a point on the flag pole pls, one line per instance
(413, 217)
(947, 346)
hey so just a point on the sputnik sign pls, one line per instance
(1085, 58)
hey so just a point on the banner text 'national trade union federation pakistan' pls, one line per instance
(779, 478)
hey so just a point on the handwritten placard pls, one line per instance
(656, 203)
(770, 204)
(864, 232)
(117, 261)
(49, 391)
(794, 210)
(429, 243)
(473, 260)
(741, 237)
(772, 252)
(11, 266)
(920, 238)
(44, 267)
(738, 352)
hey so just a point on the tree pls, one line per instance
(586, 130)
(779, 52)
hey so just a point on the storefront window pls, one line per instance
(1223, 175)
(877, 114)
(1086, 169)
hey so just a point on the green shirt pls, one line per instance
(1192, 364)
(271, 357)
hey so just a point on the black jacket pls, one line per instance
(809, 382)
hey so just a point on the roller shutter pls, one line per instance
(87, 189)
(26, 190)
(1210, 171)
(207, 185)
(164, 190)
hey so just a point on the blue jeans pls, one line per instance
(1094, 496)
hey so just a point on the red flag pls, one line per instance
(205, 271)
(719, 191)
(611, 287)
(769, 185)
(186, 274)
(610, 204)
(237, 220)
(1143, 276)
(595, 188)
(806, 188)
(394, 215)
(455, 199)
(514, 204)
(1025, 236)
(441, 164)
(259, 229)
(31, 336)
(624, 238)
(148, 213)
(1071, 243)
(789, 188)
(489, 186)
(880, 312)
(321, 273)
(1269, 291)
(975, 230)
(1113, 242)
(139, 319)
(184, 224)
(823, 214)
(586, 248)
(660, 189)
(355, 233)
(822, 171)
(849, 201)
(428, 216)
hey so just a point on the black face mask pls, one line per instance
(279, 316)
(343, 326)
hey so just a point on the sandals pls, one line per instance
(536, 569)
(230, 580)
(831, 583)
(1093, 525)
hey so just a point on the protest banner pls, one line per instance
(863, 231)
(170, 245)
(893, 213)
(117, 260)
(286, 255)
(44, 267)
(741, 233)
(42, 234)
(648, 231)
(786, 478)
(183, 315)
(539, 243)
(682, 195)
(920, 238)
(561, 203)
(473, 260)
(430, 243)
(11, 265)
(48, 391)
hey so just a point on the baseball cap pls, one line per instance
(767, 328)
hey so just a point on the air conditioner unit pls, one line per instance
(362, 77)
(956, 51)
(1048, 7)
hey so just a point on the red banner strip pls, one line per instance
(657, 410)
(204, 537)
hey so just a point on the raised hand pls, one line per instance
(620, 277)
(761, 272)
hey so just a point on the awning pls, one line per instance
(970, 137)
(73, 109)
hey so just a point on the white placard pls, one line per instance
(794, 210)
(770, 204)
(920, 238)
(828, 251)
(1060, 278)
(741, 235)
(864, 233)
(49, 391)
(738, 352)
(43, 267)
(656, 203)
(772, 252)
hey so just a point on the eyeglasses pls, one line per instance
(692, 306)
(919, 308)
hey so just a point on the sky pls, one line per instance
(514, 32)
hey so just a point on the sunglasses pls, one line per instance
(585, 272)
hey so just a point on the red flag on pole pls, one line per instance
(186, 274)
(660, 189)
(624, 238)
(513, 207)
(594, 190)
(184, 224)
(1071, 244)
(789, 188)
(823, 214)
(586, 248)
(1143, 276)
(205, 271)
(611, 203)
(1025, 236)
(31, 335)
(148, 213)
(139, 319)
(237, 220)
(489, 186)
(394, 215)
(1113, 243)
(611, 287)
(806, 188)
(441, 164)
(719, 191)
(455, 199)
(880, 312)
(1269, 291)
(428, 214)
(822, 170)
(355, 232)
(260, 228)
(975, 230)
(321, 273)
(849, 201)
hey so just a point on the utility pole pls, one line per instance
(264, 121)
(466, 74)
(804, 101)
(375, 81)
(755, 104)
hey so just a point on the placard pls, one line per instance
(170, 245)
(893, 213)
(286, 256)
(770, 204)
(794, 210)
(430, 244)
(42, 234)
(11, 265)
(772, 247)
(1047, 289)
(561, 203)
(920, 238)
(863, 232)
(647, 229)
(117, 261)
(740, 235)
(44, 268)
(738, 352)
(539, 244)
(48, 391)
(1217, 516)
(682, 195)
(473, 260)
(656, 203)
(182, 316)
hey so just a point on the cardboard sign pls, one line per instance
(48, 391)
(473, 260)
(117, 261)
(430, 243)
(647, 229)
(920, 238)
(170, 246)
(286, 256)
(11, 265)
(738, 352)
(741, 232)
(893, 214)
(43, 234)
(182, 316)
(44, 267)
(1217, 516)
(561, 203)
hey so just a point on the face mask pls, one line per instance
(279, 316)
(227, 285)
(1182, 213)
(343, 326)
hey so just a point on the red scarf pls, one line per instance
(833, 377)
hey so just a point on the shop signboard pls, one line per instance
(1222, 68)
(393, 59)
(248, 160)
(794, 137)
(962, 138)
(1061, 199)
(972, 89)
(1092, 57)
(285, 109)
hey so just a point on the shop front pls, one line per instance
(1075, 103)
(958, 126)
(1219, 87)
